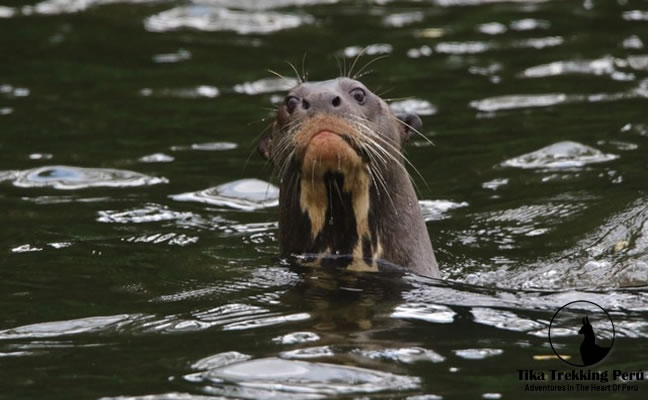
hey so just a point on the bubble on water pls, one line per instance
(6, 110)
(267, 85)
(416, 106)
(244, 194)
(70, 178)
(478, 354)
(435, 210)
(560, 155)
(406, 355)
(204, 17)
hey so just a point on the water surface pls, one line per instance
(139, 227)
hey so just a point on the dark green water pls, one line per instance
(113, 286)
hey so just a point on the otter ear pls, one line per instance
(265, 146)
(410, 123)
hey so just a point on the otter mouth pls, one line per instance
(326, 144)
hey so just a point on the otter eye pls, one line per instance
(291, 103)
(359, 95)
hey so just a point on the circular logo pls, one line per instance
(581, 333)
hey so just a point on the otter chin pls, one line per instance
(346, 198)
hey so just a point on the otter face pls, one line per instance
(336, 126)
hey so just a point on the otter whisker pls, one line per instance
(355, 60)
(303, 69)
(277, 74)
(299, 78)
(373, 60)
(415, 131)
(378, 137)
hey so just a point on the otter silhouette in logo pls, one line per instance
(591, 353)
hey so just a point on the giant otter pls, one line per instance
(345, 195)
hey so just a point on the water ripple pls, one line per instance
(209, 146)
(417, 106)
(209, 18)
(424, 311)
(267, 85)
(435, 210)
(601, 66)
(478, 354)
(405, 355)
(201, 91)
(297, 338)
(68, 327)
(156, 158)
(149, 213)
(518, 101)
(560, 155)
(244, 194)
(71, 178)
(272, 377)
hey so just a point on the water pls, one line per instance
(138, 243)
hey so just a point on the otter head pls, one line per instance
(330, 126)
(337, 149)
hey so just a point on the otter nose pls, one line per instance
(323, 102)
